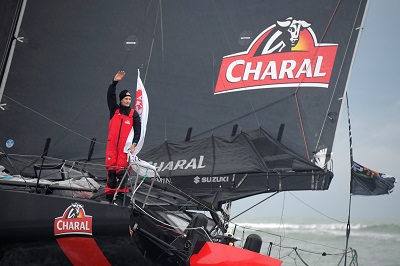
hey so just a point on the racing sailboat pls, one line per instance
(245, 100)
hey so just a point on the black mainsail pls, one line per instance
(59, 73)
(245, 95)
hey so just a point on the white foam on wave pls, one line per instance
(316, 226)
(334, 229)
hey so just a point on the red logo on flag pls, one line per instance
(139, 102)
(73, 221)
(284, 55)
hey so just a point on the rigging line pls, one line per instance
(317, 252)
(302, 126)
(163, 67)
(170, 229)
(223, 29)
(69, 163)
(322, 38)
(255, 229)
(244, 115)
(171, 226)
(298, 87)
(11, 46)
(351, 170)
(317, 210)
(190, 198)
(137, 33)
(283, 208)
(31, 162)
(298, 255)
(287, 237)
(330, 21)
(231, 50)
(234, 110)
(252, 107)
(162, 32)
(152, 43)
(254, 205)
(183, 207)
(340, 71)
(310, 251)
(187, 204)
(9, 160)
(213, 120)
(49, 119)
(165, 209)
(194, 200)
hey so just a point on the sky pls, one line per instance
(374, 100)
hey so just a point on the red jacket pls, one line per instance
(118, 130)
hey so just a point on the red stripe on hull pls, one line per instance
(82, 251)
(223, 255)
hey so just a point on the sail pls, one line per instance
(281, 66)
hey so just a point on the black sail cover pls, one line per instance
(218, 169)
(276, 69)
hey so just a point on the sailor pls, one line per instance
(122, 119)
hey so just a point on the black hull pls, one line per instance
(30, 216)
(28, 237)
(117, 250)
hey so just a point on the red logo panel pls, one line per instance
(73, 221)
(281, 56)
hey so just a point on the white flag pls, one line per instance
(142, 107)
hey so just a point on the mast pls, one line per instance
(350, 136)
(20, 11)
(351, 165)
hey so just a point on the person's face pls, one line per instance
(126, 101)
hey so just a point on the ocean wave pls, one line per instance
(390, 228)
(334, 226)
(382, 231)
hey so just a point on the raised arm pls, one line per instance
(120, 75)
(111, 95)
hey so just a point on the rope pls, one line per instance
(301, 125)
(231, 50)
(334, 88)
(291, 238)
(8, 159)
(316, 209)
(298, 88)
(171, 226)
(152, 44)
(244, 115)
(354, 257)
(51, 120)
(254, 205)
(298, 255)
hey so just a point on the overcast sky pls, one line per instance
(374, 99)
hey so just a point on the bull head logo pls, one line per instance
(74, 210)
(285, 36)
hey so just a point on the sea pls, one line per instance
(311, 241)
(295, 241)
